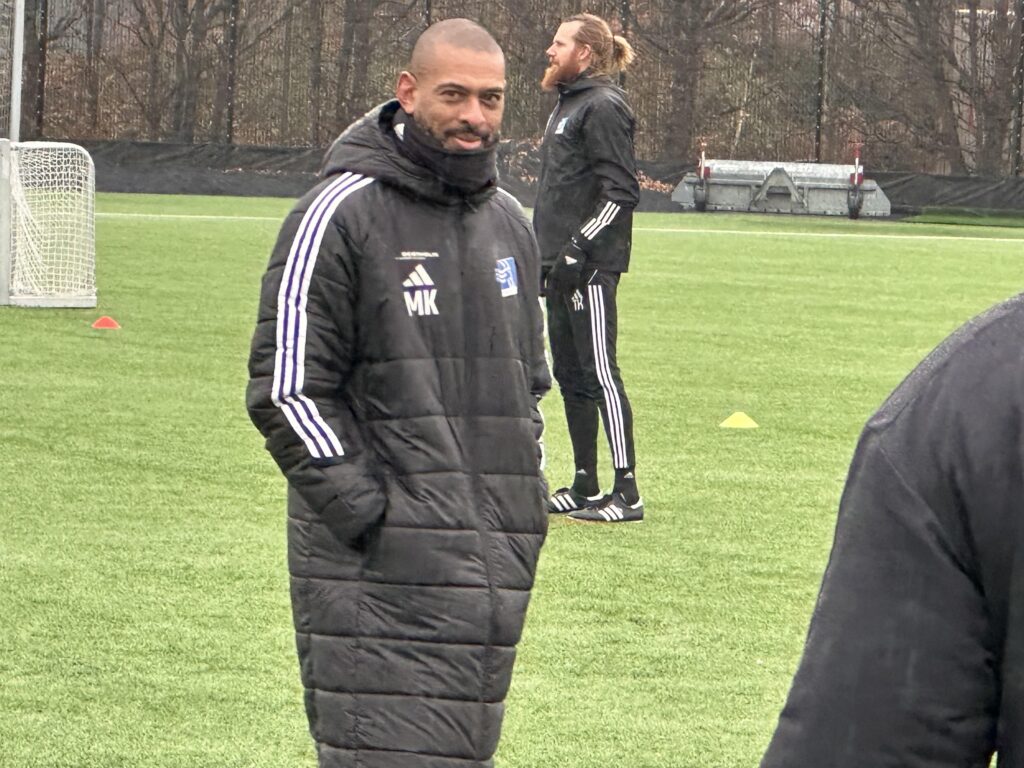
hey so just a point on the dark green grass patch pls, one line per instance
(980, 217)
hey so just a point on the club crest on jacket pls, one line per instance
(507, 277)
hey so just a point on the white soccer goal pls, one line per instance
(47, 229)
(47, 193)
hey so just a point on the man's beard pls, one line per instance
(487, 138)
(556, 74)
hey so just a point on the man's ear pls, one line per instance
(405, 91)
(585, 54)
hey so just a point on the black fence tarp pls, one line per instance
(203, 169)
(910, 192)
(223, 169)
(219, 169)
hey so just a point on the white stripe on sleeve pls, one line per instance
(607, 215)
(290, 359)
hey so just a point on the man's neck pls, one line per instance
(568, 85)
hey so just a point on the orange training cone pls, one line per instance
(106, 322)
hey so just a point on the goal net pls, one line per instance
(48, 251)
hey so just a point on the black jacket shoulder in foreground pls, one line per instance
(915, 652)
(395, 372)
(588, 182)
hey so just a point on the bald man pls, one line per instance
(395, 373)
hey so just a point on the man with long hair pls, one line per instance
(395, 372)
(583, 219)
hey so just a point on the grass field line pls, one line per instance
(196, 216)
(664, 230)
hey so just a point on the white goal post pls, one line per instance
(47, 225)
(47, 194)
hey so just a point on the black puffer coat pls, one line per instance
(395, 372)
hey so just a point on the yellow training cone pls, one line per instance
(739, 420)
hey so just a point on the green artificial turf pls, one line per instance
(143, 590)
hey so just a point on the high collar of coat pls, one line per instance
(584, 81)
(369, 147)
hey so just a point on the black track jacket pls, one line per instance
(395, 372)
(588, 185)
(915, 654)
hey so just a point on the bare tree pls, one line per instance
(222, 119)
(190, 23)
(138, 67)
(41, 29)
(681, 31)
(927, 84)
(989, 66)
(352, 90)
(958, 57)
(315, 38)
(95, 23)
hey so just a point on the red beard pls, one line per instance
(556, 74)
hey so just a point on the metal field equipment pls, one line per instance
(779, 187)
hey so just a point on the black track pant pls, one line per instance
(582, 331)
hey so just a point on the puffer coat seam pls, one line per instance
(446, 529)
(385, 639)
(420, 586)
(426, 472)
(471, 761)
(358, 637)
(381, 695)
(307, 555)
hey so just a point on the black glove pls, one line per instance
(567, 273)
